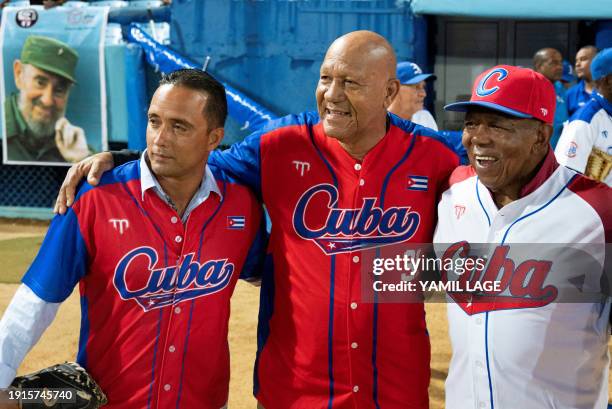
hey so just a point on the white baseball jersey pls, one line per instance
(590, 128)
(522, 347)
(424, 118)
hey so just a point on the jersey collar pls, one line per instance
(547, 168)
(148, 181)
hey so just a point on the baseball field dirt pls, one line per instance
(19, 241)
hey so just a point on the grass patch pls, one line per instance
(16, 256)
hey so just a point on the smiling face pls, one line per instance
(504, 150)
(356, 87)
(409, 100)
(42, 97)
(179, 136)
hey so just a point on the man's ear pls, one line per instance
(214, 138)
(545, 132)
(392, 88)
(17, 70)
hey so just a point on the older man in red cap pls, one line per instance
(539, 339)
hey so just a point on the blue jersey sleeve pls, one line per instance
(242, 162)
(61, 261)
(253, 265)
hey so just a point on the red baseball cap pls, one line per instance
(516, 91)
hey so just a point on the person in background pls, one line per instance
(408, 104)
(580, 94)
(586, 142)
(549, 62)
(568, 77)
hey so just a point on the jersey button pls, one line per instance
(354, 345)
(167, 387)
(355, 259)
(358, 166)
(178, 239)
(361, 182)
(353, 305)
(482, 405)
(356, 388)
(478, 321)
(174, 219)
(177, 310)
(172, 348)
(479, 364)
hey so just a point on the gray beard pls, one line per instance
(39, 129)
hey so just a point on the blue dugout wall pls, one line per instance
(272, 50)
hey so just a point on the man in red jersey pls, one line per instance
(149, 249)
(352, 177)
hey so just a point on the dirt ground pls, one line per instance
(59, 343)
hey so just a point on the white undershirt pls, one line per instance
(424, 118)
(21, 326)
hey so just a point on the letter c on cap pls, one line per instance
(482, 90)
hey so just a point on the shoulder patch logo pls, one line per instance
(236, 222)
(459, 211)
(571, 151)
(417, 182)
(120, 225)
(301, 166)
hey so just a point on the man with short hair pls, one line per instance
(539, 340)
(156, 248)
(36, 127)
(351, 178)
(580, 94)
(549, 63)
(586, 142)
(408, 103)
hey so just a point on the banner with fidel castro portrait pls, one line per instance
(52, 84)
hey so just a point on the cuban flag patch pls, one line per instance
(235, 222)
(416, 182)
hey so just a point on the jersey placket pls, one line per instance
(172, 346)
(355, 346)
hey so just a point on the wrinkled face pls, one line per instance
(178, 134)
(409, 100)
(42, 97)
(552, 67)
(583, 63)
(352, 94)
(503, 150)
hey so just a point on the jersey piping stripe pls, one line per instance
(210, 218)
(481, 205)
(537, 210)
(150, 397)
(375, 312)
(330, 329)
(192, 307)
(487, 356)
(502, 242)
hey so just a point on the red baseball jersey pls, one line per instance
(319, 345)
(155, 293)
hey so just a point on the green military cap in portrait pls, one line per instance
(50, 55)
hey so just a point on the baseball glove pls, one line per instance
(68, 375)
